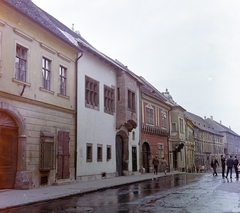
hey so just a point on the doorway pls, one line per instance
(8, 151)
(119, 155)
(145, 156)
(63, 155)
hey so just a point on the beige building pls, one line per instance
(37, 98)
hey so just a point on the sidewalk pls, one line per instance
(13, 198)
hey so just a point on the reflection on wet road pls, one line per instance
(181, 193)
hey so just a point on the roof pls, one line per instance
(201, 123)
(150, 90)
(220, 127)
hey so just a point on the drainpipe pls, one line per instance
(76, 120)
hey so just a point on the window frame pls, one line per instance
(181, 125)
(18, 71)
(89, 151)
(109, 100)
(109, 153)
(46, 70)
(47, 150)
(91, 93)
(99, 153)
(62, 80)
(164, 119)
(131, 101)
(149, 115)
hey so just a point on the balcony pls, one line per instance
(153, 130)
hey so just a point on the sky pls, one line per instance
(190, 47)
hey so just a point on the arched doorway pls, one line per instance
(145, 156)
(119, 155)
(8, 151)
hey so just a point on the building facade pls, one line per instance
(37, 100)
(208, 141)
(154, 126)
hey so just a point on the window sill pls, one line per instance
(45, 90)
(20, 82)
(109, 112)
(92, 107)
(63, 96)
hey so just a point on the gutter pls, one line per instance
(76, 118)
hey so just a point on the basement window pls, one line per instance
(46, 151)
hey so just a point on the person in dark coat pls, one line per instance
(155, 163)
(223, 164)
(229, 166)
(214, 164)
(235, 164)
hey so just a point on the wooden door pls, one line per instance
(119, 154)
(8, 157)
(145, 156)
(63, 155)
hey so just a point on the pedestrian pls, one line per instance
(164, 165)
(155, 163)
(235, 164)
(223, 164)
(229, 166)
(214, 164)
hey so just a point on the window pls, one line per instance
(164, 119)
(109, 154)
(46, 151)
(108, 99)
(133, 135)
(149, 115)
(174, 128)
(46, 63)
(131, 101)
(160, 150)
(181, 124)
(63, 80)
(89, 152)
(91, 93)
(99, 153)
(118, 94)
(21, 63)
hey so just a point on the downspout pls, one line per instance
(76, 118)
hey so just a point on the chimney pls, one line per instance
(211, 117)
(220, 122)
(205, 117)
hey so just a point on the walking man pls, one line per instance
(155, 163)
(229, 166)
(235, 164)
(214, 164)
(223, 163)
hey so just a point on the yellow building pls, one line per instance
(37, 97)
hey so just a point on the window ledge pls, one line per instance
(63, 96)
(20, 82)
(45, 90)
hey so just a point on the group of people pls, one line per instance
(155, 163)
(230, 163)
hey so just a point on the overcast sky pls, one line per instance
(190, 47)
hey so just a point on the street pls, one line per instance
(181, 193)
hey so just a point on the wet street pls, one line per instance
(183, 193)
